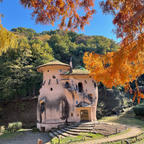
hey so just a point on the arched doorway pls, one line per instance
(42, 110)
(64, 109)
(80, 87)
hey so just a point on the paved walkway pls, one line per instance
(25, 138)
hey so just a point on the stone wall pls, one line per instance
(19, 110)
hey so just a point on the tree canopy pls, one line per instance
(18, 75)
(127, 64)
(112, 69)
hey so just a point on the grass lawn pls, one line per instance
(81, 137)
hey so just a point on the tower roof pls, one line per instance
(53, 63)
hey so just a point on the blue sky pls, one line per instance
(15, 15)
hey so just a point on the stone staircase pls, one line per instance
(76, 129)
(72, 130)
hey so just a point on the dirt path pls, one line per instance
(25, 138)
(132, 132)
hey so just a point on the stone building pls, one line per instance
(66, 95)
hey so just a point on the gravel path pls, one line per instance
(26, 138)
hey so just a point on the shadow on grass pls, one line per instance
(128, 118)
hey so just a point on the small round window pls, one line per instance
(54, 77)
(51, 89)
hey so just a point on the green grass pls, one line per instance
(81, 137)
(119, 142)
(24, 130)
(140, 142)
(123, 132)
(8, 135)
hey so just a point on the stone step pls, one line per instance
(86, 124)
(83, 125)
(81, 128)
(51, 134)
(59, 134)
(55, 133)
(62, 133)
(89, 127)
(70, 132)
(77, 130)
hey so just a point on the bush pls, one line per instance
(35, 129)
(139, 110)
(13, 127)
(2, 129)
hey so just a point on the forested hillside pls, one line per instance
(18, 75)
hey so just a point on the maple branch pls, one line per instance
(141, 12)
(135, 16)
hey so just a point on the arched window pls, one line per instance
(80, 87)
(94, 84)
(67, 85)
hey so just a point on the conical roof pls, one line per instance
(53, 63)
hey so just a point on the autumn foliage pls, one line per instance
(112, 69)
(125, 65)
(67, 11)
(7, 39)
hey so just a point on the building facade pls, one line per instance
(66, 95)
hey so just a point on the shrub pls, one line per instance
(2, 129)
(139, 110)
(35, 129)
(13, 127)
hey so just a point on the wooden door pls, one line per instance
(84, 115)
